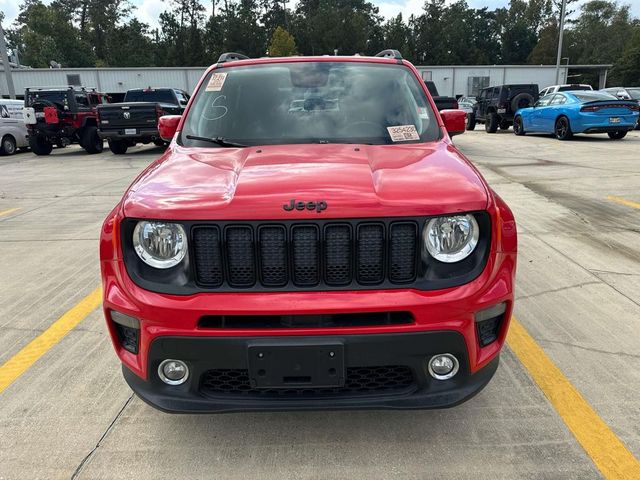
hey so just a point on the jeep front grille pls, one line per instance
(305, 255)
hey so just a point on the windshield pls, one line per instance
(634, 93)
(310, 102)
(158, 96)
(594, 96)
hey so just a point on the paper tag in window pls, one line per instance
(403, 133)
(216, 82)
(423, 113)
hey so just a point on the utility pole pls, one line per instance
(5, 64)
(563, 9)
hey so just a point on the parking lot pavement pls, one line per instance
(71, 415)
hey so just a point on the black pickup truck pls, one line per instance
(136, 119)
(443, 103)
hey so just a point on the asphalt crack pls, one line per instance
(86, 459)
(589, 349)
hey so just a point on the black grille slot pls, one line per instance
(240, 256)
(371, 244)
(328, 320)
(304, 241)
(337, 255)
(273, 256)
(360, 381)
(299, 255)
(402, 252)
(488, 330)
(208, 256)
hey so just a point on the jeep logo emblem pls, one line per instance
(318, 206)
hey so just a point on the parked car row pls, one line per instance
(561, 110)
(59, 116)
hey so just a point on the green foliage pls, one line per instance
(282, 44)
(83, 33)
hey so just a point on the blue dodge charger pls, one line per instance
(566, 113)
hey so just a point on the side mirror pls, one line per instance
(167, 126)
(183, 103)
(454, 121)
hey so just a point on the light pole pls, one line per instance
(560, 36)
(5, 65)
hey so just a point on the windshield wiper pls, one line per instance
(217, 140)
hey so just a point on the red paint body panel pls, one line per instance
(356, 181)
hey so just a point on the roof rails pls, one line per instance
(64, 87)
(231, 56)
(390, 53)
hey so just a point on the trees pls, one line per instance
(84, 33)
(282, 44)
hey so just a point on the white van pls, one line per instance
(13, 131)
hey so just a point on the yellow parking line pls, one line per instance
(624, 201)
(607, 451)
(21, 361)
(7, 212)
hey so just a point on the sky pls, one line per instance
(148, 11)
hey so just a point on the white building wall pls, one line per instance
(450, 80)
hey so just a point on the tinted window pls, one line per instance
(159, 96)
(592, 96)
(310, 102)
(82, 100)
(566, 88)
(544, 101)
(58, 97)
(558, 100)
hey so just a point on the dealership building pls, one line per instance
(454, 80)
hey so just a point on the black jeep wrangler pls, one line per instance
(497, 105)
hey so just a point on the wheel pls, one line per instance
(562, 129)
(8, 145)
(118, 147)
(471, 121)
(90, 141)
(491, 123)
(522, 100)
(40, 145)
(504, 125)
(618, 135)
(518, 129)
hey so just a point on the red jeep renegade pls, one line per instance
(311, 239)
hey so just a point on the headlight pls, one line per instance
(451, 239)
(160, 244)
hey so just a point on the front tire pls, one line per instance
(471, 121)
(40, 145)
(619, 135)
(518, 128)
(562, 129)
(8, 145)
(491, 123)
(91, 141)
(118, 147)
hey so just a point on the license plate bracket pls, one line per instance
(314, 365)
(614, 119)
(130, 131)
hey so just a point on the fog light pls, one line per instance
(173, 372)
(443, 366)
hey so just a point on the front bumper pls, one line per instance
(141, 134)
(380, 353)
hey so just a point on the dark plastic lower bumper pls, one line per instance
(412, 350)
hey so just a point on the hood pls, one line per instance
(354, 181)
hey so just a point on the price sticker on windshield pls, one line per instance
(216, 82)
(403, 133)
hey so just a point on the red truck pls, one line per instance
(311, 239)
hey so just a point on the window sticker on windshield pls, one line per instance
(423, 113)
(403, 133)
(216, 82)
